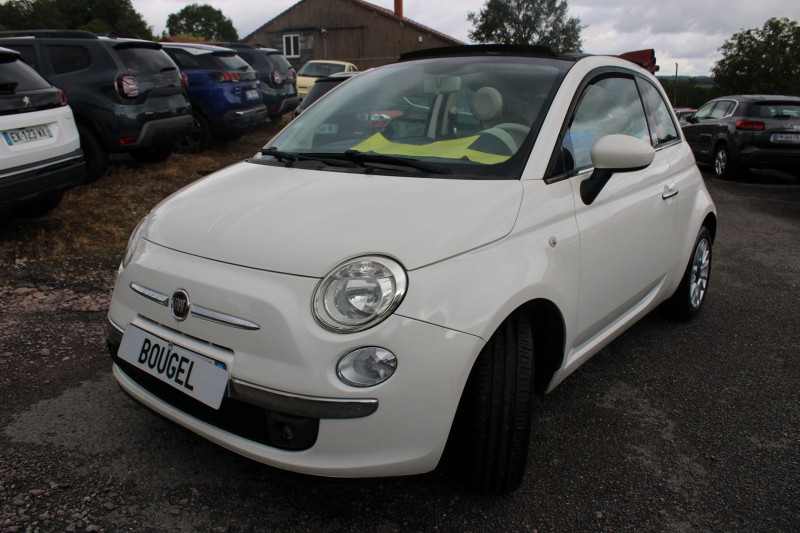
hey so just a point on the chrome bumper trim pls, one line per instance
(299, 405)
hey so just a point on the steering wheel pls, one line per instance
(517, 131)
(509, 133)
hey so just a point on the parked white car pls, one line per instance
(411, 259)
(40, 155)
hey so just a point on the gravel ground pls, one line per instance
(673, 427)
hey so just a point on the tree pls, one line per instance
(202, 21)
(543, 22)
(99, 16)
(761, 60)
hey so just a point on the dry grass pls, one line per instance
(93, 221)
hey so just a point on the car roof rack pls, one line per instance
(57, 34)
(481, 50)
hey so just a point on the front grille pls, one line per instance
(257, 424)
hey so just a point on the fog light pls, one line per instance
(366, 367)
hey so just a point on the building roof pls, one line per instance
(388, 13)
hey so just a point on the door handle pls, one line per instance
(669, 194)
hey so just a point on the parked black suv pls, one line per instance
(127, 94)
(739, 132)
(277, 76)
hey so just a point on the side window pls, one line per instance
(69, 58)
(721, 109)
(704, 111)
(662, 129)
(291, 45)
(607, 106)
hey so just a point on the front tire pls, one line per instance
(491, 433)
(691, 293)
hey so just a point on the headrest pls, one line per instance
(486, 104)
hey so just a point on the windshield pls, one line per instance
(320, 69)
(467, 116)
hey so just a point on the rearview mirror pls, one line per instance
(614, 153)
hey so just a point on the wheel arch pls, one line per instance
(549, 338)
(549, 334)
(711, 223)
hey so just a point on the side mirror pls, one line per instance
(611, 154)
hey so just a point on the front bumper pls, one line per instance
(286, 369)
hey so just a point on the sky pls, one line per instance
(686, 33)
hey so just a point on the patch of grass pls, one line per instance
(92, 224)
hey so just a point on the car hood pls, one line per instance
(305, 222)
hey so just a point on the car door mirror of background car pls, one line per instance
(611, 154)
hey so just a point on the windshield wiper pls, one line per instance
(366, 157)
(291, 158)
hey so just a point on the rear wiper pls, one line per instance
(8, 86)
(290, 158)
(366, 157)
(168, 69)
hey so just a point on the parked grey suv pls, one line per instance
(734, 133)
(127, 94)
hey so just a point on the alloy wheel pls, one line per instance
(701, 267)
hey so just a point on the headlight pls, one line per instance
(359, 294)
(133, 241)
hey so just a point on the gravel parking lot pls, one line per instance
(674, 427)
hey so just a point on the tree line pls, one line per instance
(762, 60)
(200, 22)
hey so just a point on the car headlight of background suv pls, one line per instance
(359, 294)
(133, 242)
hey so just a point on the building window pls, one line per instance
(291, 45)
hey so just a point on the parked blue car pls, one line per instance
(223, 90)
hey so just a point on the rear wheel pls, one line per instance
(199, 138)
(94, 153)
(691, 293)
(491, 432)
(724, 166)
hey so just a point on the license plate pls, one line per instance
(786, 137)
(26, 135)
(194, 374)
(251, 94)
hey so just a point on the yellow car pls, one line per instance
(318, 68)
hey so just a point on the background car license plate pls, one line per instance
(190, 372)
(251, 94)
(24, 135)
(786, 137)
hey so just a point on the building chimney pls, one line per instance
(398, 8)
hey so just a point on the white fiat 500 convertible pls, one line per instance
(412, 259)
